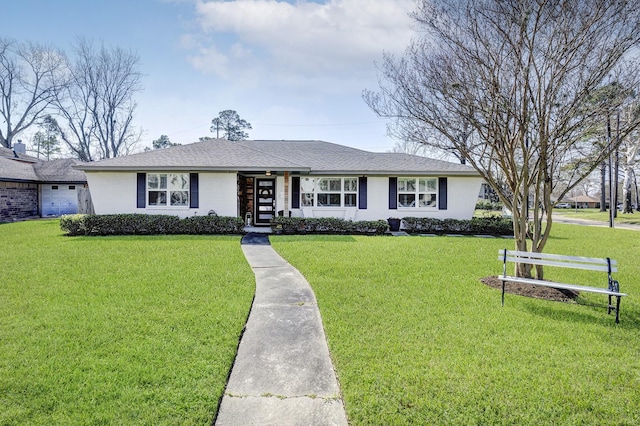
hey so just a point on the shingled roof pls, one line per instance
(60, 170)
(314, 157)
(13, 155)
(23, 168)
(17, 171)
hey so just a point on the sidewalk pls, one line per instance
(283, 373)
(586, 222)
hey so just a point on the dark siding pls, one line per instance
(142, 190)
(194, 196)
(362, 193)
(442, 193)
(295, 192)
(393, 193)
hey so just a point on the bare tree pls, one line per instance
(98, 107)
(521, 75)
(30, 77)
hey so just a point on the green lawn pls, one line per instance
(143, 330)
(117, 330)
(596, 214)
(417, 339)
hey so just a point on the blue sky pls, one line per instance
(294, 69)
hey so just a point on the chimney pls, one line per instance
(19, 147)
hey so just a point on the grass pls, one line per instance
(417, 339)
(117, 330)
(143, 330)
(596, 214)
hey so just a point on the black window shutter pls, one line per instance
(442, 193)
(142, 190)
(194, 201)
(393, 193)
(295, 192)
(362, 193)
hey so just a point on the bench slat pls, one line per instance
(546, 259)
(560, 285)
(586, 266)
(556, 256)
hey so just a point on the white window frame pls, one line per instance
(172, 188)
(417, 193)
(312, 190)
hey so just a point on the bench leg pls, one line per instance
(610, 307)
(503, 293)
(618, 309)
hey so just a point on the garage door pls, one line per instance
(58, 200)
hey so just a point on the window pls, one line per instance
(170, 189)
(329, 192)
(417, 192)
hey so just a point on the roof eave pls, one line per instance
(88, 168)
(397, 172)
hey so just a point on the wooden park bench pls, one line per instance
(545, 259)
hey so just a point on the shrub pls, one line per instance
(475, 226)
(72, 224)
(143, 224)
(327, 225)
(488, 205)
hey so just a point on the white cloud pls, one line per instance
(299, 41)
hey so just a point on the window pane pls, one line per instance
(163, 181)
(349, 200)
(406, 185)
(432, 184)
(152, 181)
(407, 200)
(427, 200)
(307, 184)
(307, 200)
(422, 185)
(179, 181)
(331, 200)
(323, 184)
(157, 198)
(411, 185)
(335, 185)
(350, 184)
(179, 198)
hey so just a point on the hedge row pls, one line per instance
(142, 224)
(488, 205)
(475, 226)
(326, 225)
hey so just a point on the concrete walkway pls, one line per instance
(586, 222)
(282, 374)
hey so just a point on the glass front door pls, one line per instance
(265, 201)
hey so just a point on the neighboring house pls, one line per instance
(30, 187)
(583, 202)
(256, 180)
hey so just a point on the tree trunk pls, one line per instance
(627, 194)
(603, 186)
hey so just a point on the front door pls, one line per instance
(265, 201)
